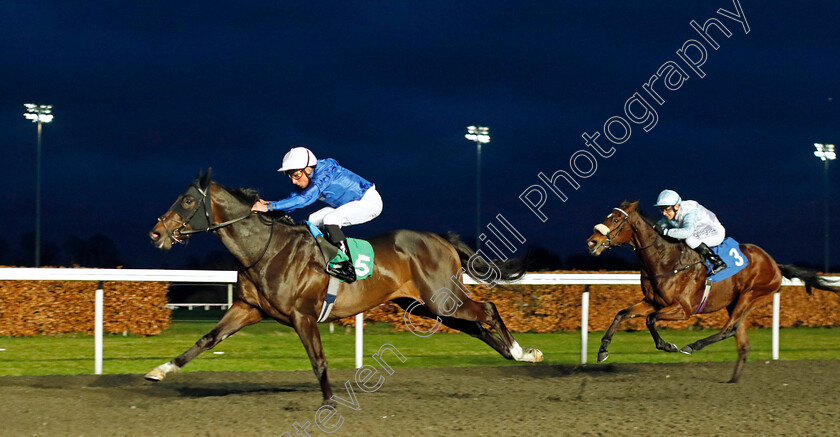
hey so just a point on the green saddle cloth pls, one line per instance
(360, 250)
(362, 253)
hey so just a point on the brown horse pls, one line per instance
(282, 276)
(673, 282)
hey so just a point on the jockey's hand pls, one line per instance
(661, 230)
(260, 206)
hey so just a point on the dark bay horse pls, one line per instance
(673, 282)
(282, 276)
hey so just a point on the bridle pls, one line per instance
(611, 233)
(197, 222)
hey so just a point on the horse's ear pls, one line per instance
(204, 179)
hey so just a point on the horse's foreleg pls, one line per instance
(673, 312)
(640, 309)
(307, 329)
(239, 315)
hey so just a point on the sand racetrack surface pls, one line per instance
(773, 398)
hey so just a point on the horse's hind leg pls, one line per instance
(486, 312)
(738, 311)
(239, 315)
(743, 344)
(474, 329)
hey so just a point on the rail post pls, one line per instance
(584, 322)
(97, 328)
(775, 336)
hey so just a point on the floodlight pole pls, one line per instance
(477, 195)
(479, 134)
(826, 153)
(827, 215)
(38, 199)
(39, 114)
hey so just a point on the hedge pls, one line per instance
(29, 308)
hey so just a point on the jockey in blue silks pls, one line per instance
(352, 199)
(688, 220)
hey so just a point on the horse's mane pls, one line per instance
(244, 195)
(249, 195)
(649, 220)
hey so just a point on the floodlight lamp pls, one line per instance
(38, 113)
(825, 151)
(479, 134)
(829, 152)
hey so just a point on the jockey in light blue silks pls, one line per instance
(352, 199)
(688, 220)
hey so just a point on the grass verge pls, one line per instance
(271, 346)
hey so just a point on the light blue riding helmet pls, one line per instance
(668, 198)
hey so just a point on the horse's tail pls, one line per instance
(811, 278)
(510, 270)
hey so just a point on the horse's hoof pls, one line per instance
(329, 403)
(532, 355)
(687, 350)
(602, 356)
(156, 375)
(670, 347)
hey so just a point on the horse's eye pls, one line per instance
(188, 201)
(615, 220)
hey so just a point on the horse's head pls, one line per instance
(614, 230)
(190, 213)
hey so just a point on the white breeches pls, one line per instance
(351, 213)
(712, 236)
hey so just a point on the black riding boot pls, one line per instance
(345, 270)
(717, 263)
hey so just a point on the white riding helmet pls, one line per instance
(298, 158)
(668, 198)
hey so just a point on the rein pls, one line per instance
(673, 272)
(265, 249)
(218, 226)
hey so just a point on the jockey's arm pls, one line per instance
(687, 228)
(297, 200)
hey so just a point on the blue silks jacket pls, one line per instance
(331, 183)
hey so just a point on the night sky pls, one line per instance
(147, 94)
